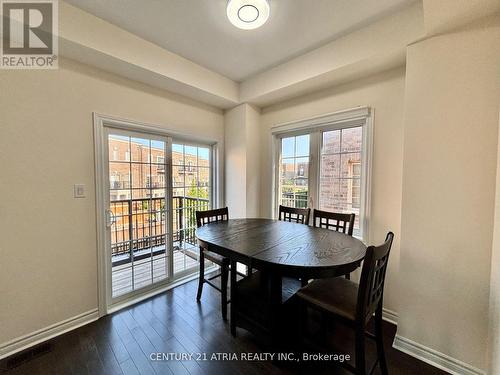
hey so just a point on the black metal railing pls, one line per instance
(140, 225)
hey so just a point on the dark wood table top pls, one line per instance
(288, 248)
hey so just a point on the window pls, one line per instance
(294, 171)
(325, 166)
(340, 159)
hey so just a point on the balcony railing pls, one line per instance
(139, 228)
(291, 199)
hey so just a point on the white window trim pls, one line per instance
(359, 116)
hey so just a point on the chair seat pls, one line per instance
(335, 295)
(214, 257)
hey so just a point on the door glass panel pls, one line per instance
(191, 179)
(138, 232)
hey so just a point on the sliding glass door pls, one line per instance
(154, 187)
(192, 191)
(139, 214)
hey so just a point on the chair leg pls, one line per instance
(380, 340)
(201, 279)
(360, 350)
(223, 287)
(233, 300)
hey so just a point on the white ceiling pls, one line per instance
(199, 30)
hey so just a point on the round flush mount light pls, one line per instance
(248, 14)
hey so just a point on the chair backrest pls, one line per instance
(333, 220)
(297, 215)
(371, 285)
(211, 216)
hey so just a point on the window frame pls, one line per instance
(315, 127)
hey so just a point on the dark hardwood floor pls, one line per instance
(173, 322)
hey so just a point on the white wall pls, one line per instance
(445, 15)
(242, 152)
(362, 52)
(253, 161)
(385, 94)
(236, 159)
(450, 155)
(48, 267)
(94, 41)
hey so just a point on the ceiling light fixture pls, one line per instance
(248, 14)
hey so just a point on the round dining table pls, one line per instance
(280, 250)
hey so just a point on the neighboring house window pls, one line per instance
(334, 181)
(115, 153)
(113, 179)
(161, 163)
(127, 155)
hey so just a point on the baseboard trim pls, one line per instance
(434, 358)
(390, 316)
(44, 334)
(24, 342)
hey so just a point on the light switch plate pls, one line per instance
(79, 191)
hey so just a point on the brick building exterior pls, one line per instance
(137, 170)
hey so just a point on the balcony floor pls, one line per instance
(145, 272)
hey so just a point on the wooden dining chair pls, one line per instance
(202, 218)
(292, 214)
(296, 215)
(354, 305)
(336, 221)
